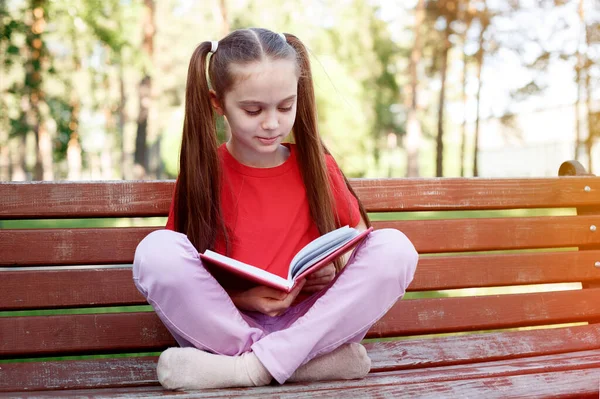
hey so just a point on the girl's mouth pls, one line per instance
(267, 140)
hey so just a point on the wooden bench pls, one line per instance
(556, 241)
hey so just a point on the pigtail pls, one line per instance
(197, 207)
(310, 147)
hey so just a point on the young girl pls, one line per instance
(259, 200)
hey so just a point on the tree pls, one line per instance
(484, 22)
(413, 125)
(145, 89)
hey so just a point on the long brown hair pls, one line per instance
(197, 209)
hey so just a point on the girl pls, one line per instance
(259, 200)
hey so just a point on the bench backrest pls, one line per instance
(75, 277)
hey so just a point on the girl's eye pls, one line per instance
(252, 113)
(285, 109)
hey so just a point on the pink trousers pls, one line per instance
(199, 312)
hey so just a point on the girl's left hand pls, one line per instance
(320, 279)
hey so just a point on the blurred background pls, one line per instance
(94, 89)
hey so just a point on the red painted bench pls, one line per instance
(557, 241)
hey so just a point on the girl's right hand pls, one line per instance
(266, 300)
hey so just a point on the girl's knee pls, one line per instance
(158, 253)
(398, 256)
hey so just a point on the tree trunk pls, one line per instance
(590, 120)
(480, 59)
(74, 160)
(18, 160)
(145, 92)
(122, 119)
(578, 66)
(413, 125)
(224, 17)
(36, 59)
(439, 161)
(463, 133)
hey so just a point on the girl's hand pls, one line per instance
(320, 279)
(265, 300)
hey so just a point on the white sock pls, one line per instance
(191, 368)
(349, 361)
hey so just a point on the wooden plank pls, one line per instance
(426, 354)
(488, 234)
(38, 200)
(81, 334)
(437, 194)
(70, 246)
(66, 288)
(94, 333)
(490, 270)
(59, 288)
(562, 384)
(137, 198)
(587, 362)
(442, 315)
(117, 245)
(476, 348)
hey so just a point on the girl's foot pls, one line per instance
(191, 368)
(349, 361)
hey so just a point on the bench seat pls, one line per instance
(505, 302)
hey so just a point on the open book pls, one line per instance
(316, 254)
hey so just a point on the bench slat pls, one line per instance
(488, 234)
(152, 198)
(91, 333)
(492, 270)
(60, 288)
(52, 289)
(569, 384)
(441, 315)
(386, 356)
(39, 200)
(465, 374)
(575, 383)
(70, 246)
(117, 245)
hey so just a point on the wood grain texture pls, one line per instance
(105, 333)
(33, 200)
(487, 234)
(59, 288)
(489, 270)
(534, 370)
(117, 245)
(70, 246)
(520, 348)
(143, 198)
(66, 288)
(441, 315)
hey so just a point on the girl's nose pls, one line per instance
(270, 122)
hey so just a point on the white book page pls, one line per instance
(308, 263)
(319, 246)
(248, 269)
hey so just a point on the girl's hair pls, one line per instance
(197, 209)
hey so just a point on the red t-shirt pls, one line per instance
(266, 211)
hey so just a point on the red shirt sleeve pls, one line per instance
(346, 204)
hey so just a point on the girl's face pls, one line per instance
(260, 110)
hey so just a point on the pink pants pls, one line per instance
(198, 311)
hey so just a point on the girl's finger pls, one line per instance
(318, 281)
(314, 288)
(326, 271)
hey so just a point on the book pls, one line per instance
(313, 256)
